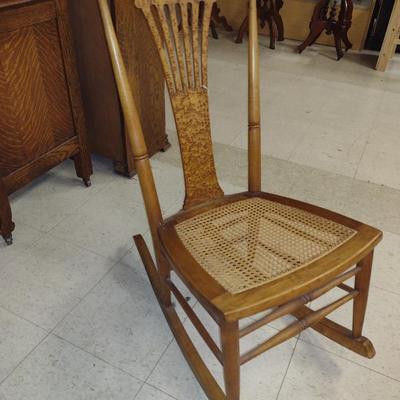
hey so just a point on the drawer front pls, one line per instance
(35, 108)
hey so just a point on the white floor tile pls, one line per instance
(56, 195)
(381, 327)
(23, 238)
(386, 273)
(151, 393)
(105, 225)
(315, 374)
(380, 167)
(18, 338)
(58, 370)
(121, 322)
(329, 155)
(44, 283)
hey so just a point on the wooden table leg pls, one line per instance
(6, 224)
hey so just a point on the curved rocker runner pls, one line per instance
(242, 254)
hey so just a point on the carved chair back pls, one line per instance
(180, 29)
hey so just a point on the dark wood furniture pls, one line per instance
(41, 116)
(104, 118)
(335, 20)
(242, 254)
(217, 18)
(268, 12)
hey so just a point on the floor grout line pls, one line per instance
(160, 390)
(287, 369)
(96, 356)
(26, 356)
(24, 319)
(51, 332)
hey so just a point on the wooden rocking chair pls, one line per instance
(240, 254)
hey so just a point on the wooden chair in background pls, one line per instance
(217, 18)
(268, 13)
(241, 254)
(335, 20)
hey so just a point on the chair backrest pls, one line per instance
(180, 30)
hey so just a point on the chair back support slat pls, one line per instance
(180, 29)
(204, 44)
(171, 50)
(172, 8)
(195, 41)
(187, 45)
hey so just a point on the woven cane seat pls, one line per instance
(248, 243)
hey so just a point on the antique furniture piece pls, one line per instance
(41, 116)
(106, 130)
(334, 20)
(392, 39)
(240, 254)
(216, 18)
(268, 12)
(296, 15)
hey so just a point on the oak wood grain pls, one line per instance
(41, 116)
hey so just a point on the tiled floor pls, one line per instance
(78, 319)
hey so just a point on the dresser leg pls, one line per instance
(83, 167)
(6, 224)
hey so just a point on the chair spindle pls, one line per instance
(254, 102)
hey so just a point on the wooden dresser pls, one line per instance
(102, 108)
(41, 115)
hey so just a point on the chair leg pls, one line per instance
(199, 368)
(338, 44)
(316, 30)
(242, 30)
(271, 27)
(231, 359)
(362, 283)
(83, 167)
(279, 21)
(165, 275)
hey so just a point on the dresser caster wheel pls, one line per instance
(87, 182)
(8, 240)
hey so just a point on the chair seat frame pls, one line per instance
(286, 295)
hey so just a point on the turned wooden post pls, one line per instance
(231, 359)
(136, 139)
(254, 102)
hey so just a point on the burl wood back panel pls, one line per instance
(180, 30)
(34, 94)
